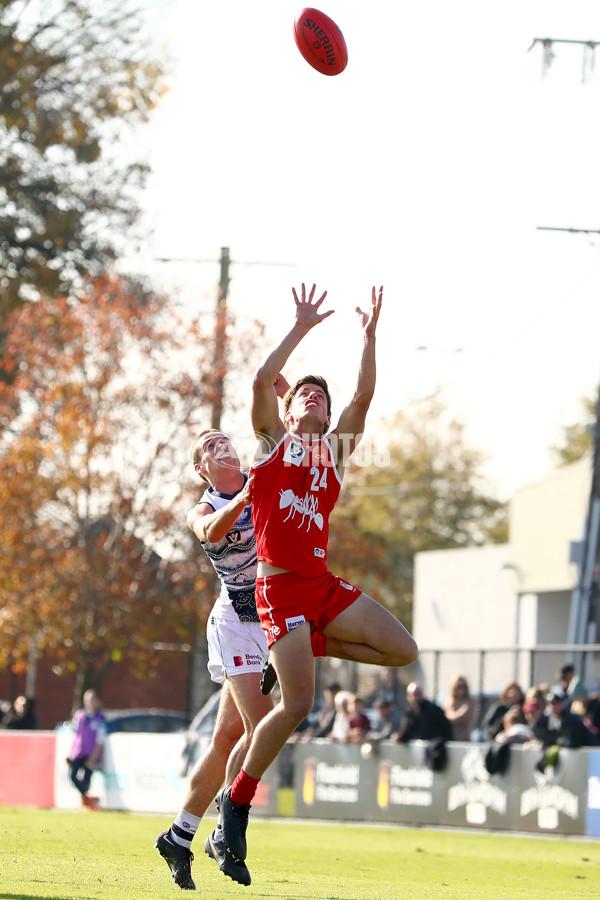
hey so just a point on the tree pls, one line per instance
(577, 439)
(104, 397)
(418, 488)
(73, 75)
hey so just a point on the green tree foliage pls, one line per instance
(577, 439)
(419, 488)
(73, 74)
(105, 394)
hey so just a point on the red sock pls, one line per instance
(243, 788)
(317, 642)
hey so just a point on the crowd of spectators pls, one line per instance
(562, 715)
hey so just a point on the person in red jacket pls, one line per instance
(305, 610)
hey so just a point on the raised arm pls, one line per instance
(212, 525)
(265, 411)
(351, 424)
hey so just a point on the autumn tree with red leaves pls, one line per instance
(99, 400)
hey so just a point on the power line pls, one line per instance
(570, 230)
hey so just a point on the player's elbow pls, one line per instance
(263, 379)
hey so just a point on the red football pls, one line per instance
(320, 42)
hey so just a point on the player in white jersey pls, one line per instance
(237, 649)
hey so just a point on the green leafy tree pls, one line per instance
(578, 438)
(105, 394)
(73, 76)
(420, 488)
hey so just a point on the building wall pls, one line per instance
(464, 598)
(515, 596)
(464, 601)
(545, 517)
(165, 688)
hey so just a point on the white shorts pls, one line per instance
(234, 647)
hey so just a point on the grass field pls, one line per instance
(89, 855)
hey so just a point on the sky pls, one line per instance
(427, 166)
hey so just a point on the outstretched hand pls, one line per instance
(307, 309)
(368, 319)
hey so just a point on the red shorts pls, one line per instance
(285, 601)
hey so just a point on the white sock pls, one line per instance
(219, 829)
(184, 828)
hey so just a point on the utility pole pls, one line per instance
(220, 348)
(583, 613)
(220, 329)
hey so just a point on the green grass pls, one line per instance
(110, 855)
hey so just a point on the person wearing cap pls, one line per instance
(537, 719)
(388, 721)
(567, 729)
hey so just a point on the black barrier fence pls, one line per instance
(390, 782)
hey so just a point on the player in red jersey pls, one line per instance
(304, 609)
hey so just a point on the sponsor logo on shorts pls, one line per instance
(320, 553)
(347, 586)
(253, 659)
(294, 622)
(238, 661)
(274, 630)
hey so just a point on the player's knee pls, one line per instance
(297, 706)
(226, 737)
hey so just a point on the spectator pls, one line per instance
(340, 730)
(584, 707)
(88, 745)
(460, 708)
(537, 719)
(327, 712)
(424, 720)
(593, 710)
(21, 715)
(387, 726)
(567, 729)
(512, 695)
(570, 682)
(384, 687)
(515, 729)
(360, 723)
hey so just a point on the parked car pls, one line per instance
(199, 732)
(155, 721)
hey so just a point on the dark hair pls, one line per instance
(306, 379)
